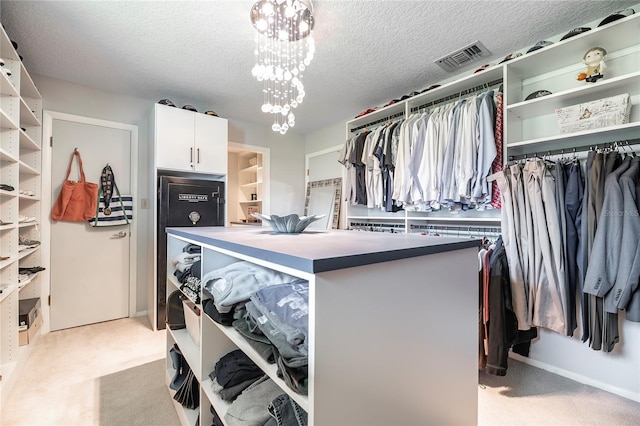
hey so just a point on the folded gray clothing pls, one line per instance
(250, 408)
(232, 392)
(187, 258)
(238, 281)
(182, 267)
(287, 306)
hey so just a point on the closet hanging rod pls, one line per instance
(381, 120)
(615, 144)
(460, 227)
(456, 96)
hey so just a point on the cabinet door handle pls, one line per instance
(191, 155)
(198, 155)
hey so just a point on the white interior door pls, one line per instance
(90, 267)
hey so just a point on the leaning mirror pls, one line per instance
(323, 197)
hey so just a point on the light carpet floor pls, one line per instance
(78, 377)
(113, 374)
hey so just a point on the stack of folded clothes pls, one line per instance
(187, 272)
(270, 309)
(255, 398)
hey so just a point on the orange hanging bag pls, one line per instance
(77, 201)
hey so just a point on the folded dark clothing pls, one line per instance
(229, 393)
(258, 342)
(192, 248)
(236, 367)
(182, 276)
(195, 269)
(32, 269)
(209, 308)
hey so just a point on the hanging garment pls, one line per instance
(497, 162)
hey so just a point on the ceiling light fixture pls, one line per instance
(284, 48)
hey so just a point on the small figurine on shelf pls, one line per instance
(594, 60)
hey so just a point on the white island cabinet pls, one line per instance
(392, 323)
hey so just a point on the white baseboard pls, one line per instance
(577, 377)
(141, 313)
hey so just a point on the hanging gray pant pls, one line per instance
(511, 234)
(549, 292)
(560, 183)
(573, 209)
(584, 248)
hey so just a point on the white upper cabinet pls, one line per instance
(189, 141)
(211, 136)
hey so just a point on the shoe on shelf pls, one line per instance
(2, 222)
(23, 277)
(29, 193)
(23, 241)
(26, 219)
(6, 187)
(31, 270)
(5, 257)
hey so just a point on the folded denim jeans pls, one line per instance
(250, 408)
(286, 412)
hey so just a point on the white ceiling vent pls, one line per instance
(462, 57)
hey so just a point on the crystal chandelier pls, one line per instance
(284, 48)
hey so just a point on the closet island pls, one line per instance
(392, 323)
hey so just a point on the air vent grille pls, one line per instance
(462, 57)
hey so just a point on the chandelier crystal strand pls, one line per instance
(284, 48)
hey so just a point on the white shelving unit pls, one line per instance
(531, 126)
(349, 368)
(20, 166)
(246, 190)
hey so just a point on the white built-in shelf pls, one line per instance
(6, 292)
(458, 86)
(6, 262)
(23, 284)
(548, 104)
(27, 88)
(269, 369)
(221, 406)
(251, 202)
(577, 139)
(6, 86)
(250, 184)
(27, 143)
(619, 35)
(6, 122)
(5, 227)
(252, 169)
(8, 193)
(187, 416)
(27, 169)
(454, 218)
(28, 197)
(28, 224)
(27, 116)
(189, 349)
(6, 157)
(27, 252)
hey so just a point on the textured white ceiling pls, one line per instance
(201, 52)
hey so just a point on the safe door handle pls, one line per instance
(120, 234)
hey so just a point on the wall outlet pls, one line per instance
(144, 203)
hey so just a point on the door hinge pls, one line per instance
(307, 172)
(51, 141)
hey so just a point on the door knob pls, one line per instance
(120, 234)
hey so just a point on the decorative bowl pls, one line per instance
(289, 224)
